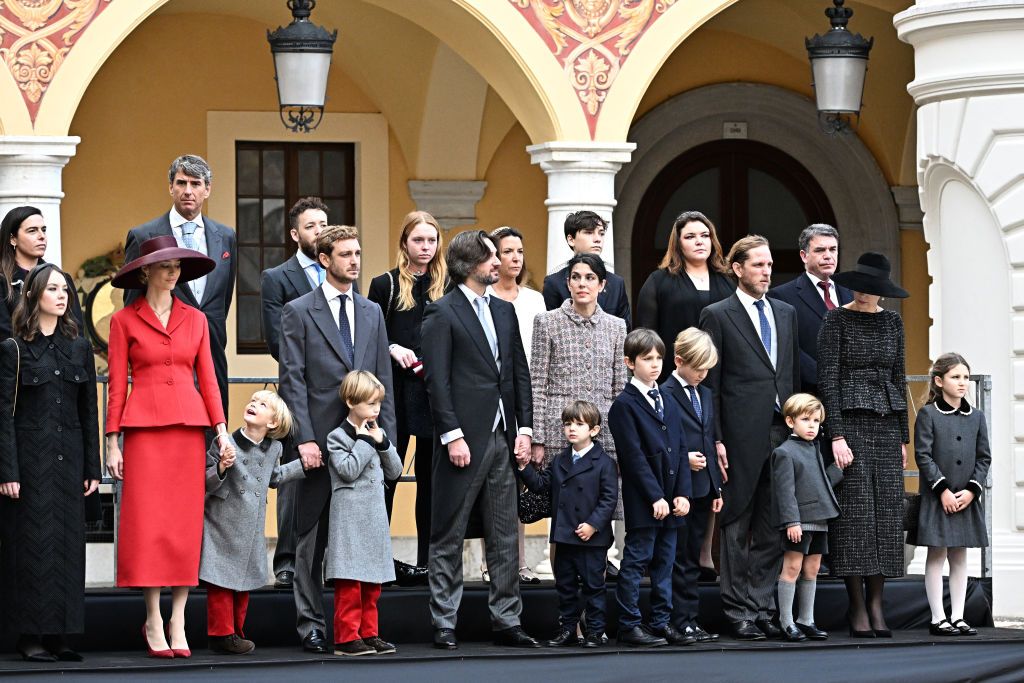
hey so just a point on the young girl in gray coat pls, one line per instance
(234, 558)
(953, 457)
(359, 557)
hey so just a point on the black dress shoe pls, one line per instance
(672, 635)
(407, 575)
(284, 579)
(812, 631)
(745, 630)
(637, 637)
(514, 637)
(611, 572)
(707, 575)
(593, 640)
(564, 638)
(882, 633)
(964, 628)
(700, 635)
(769, 628)
(58, 647)
(444, 639)
(943, 628)
(854, 633)
(316, 642)
(793, 634)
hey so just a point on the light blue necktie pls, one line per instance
(480, 302)
(576, 457)
(766, 330)
(188, 231)
(318, 273)
(695, 402)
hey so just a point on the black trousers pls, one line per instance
(579, 582)
(686, 570)
(422, 468)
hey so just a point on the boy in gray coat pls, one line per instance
(802, 503)
(234, 558)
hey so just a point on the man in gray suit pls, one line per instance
(480, 397)
(324, 335)
(279, 285)
(758, 369)
(190, 179)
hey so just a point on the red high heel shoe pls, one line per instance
(160, 654)
(183, 654)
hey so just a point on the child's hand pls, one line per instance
(949, 502)
(964, 498)
(522, 458)
(660, 509)
(717, 504)
(585, 531)
(680, 506)
(372, 430)
(227, 458)
(794, 533)
(697, 461)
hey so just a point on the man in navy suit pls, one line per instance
(813, 295)
(190, 179)
(695, 354)
(584, 233)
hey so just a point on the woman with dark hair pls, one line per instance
(48, 465)
(690, 276)
(173, 402)
(22, 245)
(862, 379)
(419, 277)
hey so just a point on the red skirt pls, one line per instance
(160, 528)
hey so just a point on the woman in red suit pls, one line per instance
(163, 420)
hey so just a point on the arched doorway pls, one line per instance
(744, 187)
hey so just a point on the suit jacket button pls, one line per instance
(663, 427)
(958, 438)
(56, 372)
(60, 457)
(671, 472)
(165, 342)
(670, 450)
(170, 381)
(167, 362)
(61, 429)
(959, 462)
(564, 485)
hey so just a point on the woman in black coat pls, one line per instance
(690, 276)
(403, 293)
(49, 463)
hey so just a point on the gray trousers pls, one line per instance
(284, 552)
(495, 485)
(308, 585)
(751, 553)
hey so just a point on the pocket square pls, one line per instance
(225, 255)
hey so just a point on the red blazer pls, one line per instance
(162, 362)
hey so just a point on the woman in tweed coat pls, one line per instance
(862, 379)
(577, 356)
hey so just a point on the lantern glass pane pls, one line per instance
(302, 78)
(839, 83)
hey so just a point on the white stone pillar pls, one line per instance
(30, 173)
(969, 87)
(451, 202)
(581, 176)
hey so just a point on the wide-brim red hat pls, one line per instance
(194, 264)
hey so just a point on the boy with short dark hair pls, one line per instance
(584, 489)
(652, 463)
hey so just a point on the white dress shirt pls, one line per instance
(748, 305)
(577, 454)
(334, 302)
(198, 286)
(821, 292)
(309, 267)
(644, 388)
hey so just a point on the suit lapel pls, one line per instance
(844, 295)
(644, 404)
(213, 250)
(177, 316)
(361, 336)
(743, 324)
(502, 331)
(811, 298)
(146, 314)
(585, 464)
(678, 392)
(297, 276)
(321, 314)
(467, 316)
(181, 290)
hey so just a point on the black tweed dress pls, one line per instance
(862, 381)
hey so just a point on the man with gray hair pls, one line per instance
(813, 294)
(189, 181)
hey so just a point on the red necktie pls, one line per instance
(828, 300)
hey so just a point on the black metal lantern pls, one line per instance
(302, 60)
(839, 62)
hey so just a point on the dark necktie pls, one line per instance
(658, 408)
(695, 402)
(766, 329)
(346, 330)
(828, 299)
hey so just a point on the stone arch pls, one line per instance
(842, 165)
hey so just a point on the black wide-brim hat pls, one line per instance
(871, 276)
(194, 264)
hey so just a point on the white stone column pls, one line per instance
(969, 87)
(30, 173)
(581, 176)
(451, 202)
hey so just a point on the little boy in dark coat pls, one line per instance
(695, 354)
(652, 462)
(584, 489)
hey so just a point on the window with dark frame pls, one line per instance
(270, 178)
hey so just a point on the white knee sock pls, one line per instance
(933, 582)
(805, 596)
(957, 582)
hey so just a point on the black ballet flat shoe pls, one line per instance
(964, 628)
(58, 647)
(882, 633)
(943, 628)
(812, 631)
(31, 650)
(793, 634)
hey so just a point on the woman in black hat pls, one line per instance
(862, 379)
(164, 421)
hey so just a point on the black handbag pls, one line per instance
(534, 507)
(911, 511)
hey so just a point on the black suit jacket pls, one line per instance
(652, 457)
(801, 294)
(698, 433)
(279, 285)
(585, 492)
(220, 284)
(464, 385)
(612, 300)
(744, 386)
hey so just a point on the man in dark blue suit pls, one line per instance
(813, 294)
(584, 233)
(695, 354)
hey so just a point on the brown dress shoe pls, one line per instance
(231, 645)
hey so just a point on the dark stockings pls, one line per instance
(866, 613)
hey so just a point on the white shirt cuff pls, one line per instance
(448, 437)
(526, 431)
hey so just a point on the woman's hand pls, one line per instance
(842, 453)
(11, 489)
(90, 486)
(115, 461)
(723, 461)
(402, 356)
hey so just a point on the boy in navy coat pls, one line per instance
(695, 354)
(652, 462)
(584, 488)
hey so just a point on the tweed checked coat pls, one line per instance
(359, 545)
(234, 547)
